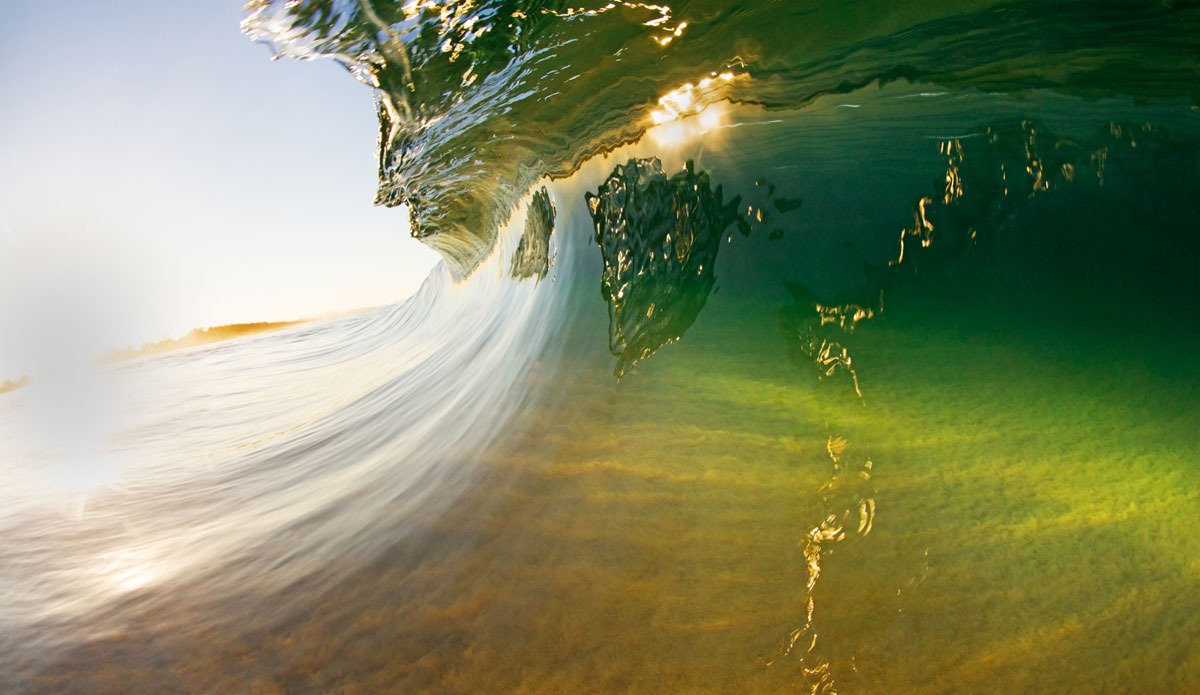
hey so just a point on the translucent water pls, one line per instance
(823, 350)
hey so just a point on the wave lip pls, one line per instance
(476, 101)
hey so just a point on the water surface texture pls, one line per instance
(779, 347)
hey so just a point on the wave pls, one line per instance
(657, 223)
(277, 461)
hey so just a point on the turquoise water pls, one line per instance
(816, 349)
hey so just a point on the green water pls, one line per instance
(989, 485)
(1035, 525)
(1035, 530)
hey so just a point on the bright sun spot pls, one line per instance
(125, 571)
(673, 119)
(680, 131)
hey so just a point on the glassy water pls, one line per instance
(786, 347)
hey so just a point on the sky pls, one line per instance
(159, 172)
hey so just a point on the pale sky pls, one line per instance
(158, 173)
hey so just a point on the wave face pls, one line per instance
(238, 474)
(779, 346)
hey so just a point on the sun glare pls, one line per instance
(691, 110)
(125, 571)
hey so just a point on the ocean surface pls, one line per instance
(778, 347)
